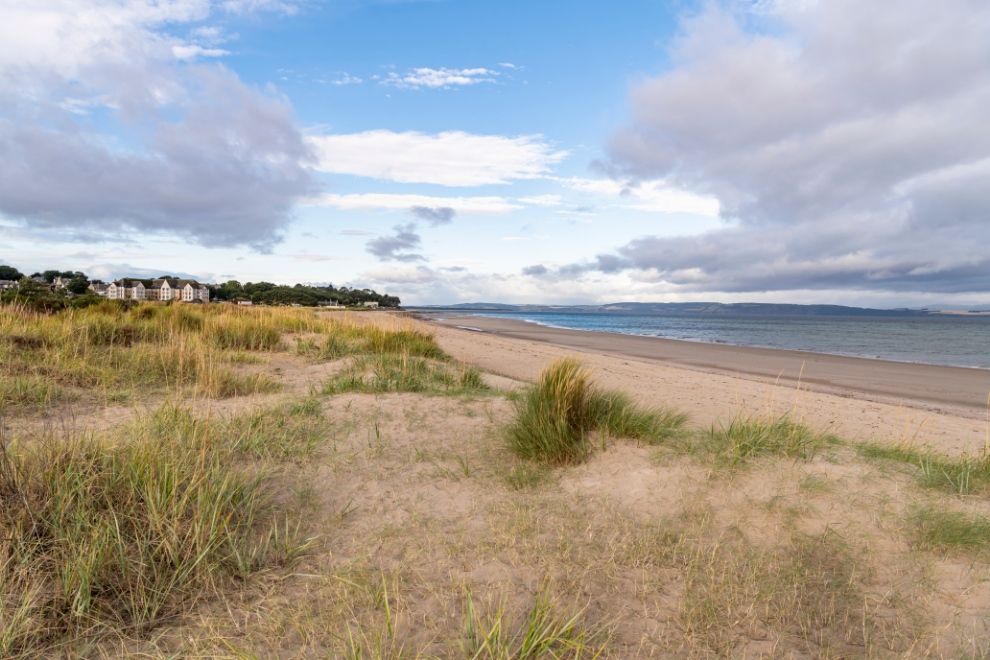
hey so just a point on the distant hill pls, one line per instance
(688, 309)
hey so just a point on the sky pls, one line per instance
(551, 151)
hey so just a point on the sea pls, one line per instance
(954, 340)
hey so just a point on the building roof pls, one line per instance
(173, 282)
(176, 283)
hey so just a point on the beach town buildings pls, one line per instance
(162, 289)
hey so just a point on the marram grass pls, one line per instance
(112, 352)
(556, 417)
(379, 374)
(937, 528)
(542, 632)
(745, 438)
(103, 536)
(962, 476)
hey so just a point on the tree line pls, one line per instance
(33, 290)
(299, 294)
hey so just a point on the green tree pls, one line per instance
(79, 284)
(10, 273)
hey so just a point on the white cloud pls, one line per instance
(650, 196)
(346, 79)
(202, 149)
(442, 78)
(451, 158)
(402, 202)
(542, 200)
(194, 51)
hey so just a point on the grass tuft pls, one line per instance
(403, 373)
(541, 633)
(750, 437)
(942, 529)
(556, 416)
(101, 534)
(961, 476)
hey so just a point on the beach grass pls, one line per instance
(542, 632)
(343, 339)
(378, 374)
(810, 589)
(556, 416)
(939, 528)
(964, 475)
(114, 352)
(746, 438)
(114, 534)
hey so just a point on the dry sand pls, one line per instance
(860, 399)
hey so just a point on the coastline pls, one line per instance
(859, 399)
(925, 384)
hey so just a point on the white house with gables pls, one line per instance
(163, 289)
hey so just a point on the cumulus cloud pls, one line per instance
(845, 142)
(181, 147)
(442, 78)
(435, 215)
(451, 158)
(398, 246)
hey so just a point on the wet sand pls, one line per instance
(936, 386)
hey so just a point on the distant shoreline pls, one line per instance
(935, 385)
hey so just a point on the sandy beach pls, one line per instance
(941, 407)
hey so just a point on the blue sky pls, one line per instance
(460, 150)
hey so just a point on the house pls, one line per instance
(370, 304)
(7, 285)
(163, 288)
(98, 287)
(172, 288)
(127, 289)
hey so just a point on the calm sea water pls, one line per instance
(949, 340)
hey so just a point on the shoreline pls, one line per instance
(715, 343)
(930, 385)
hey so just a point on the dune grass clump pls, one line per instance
(342, 339)
(292, 430)
(937, 528)
(242, 333)
(101, 535)
(746, 438)
(556, 417)
(961, 476)
(29, 391)
(402, 373)
(543, 632)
